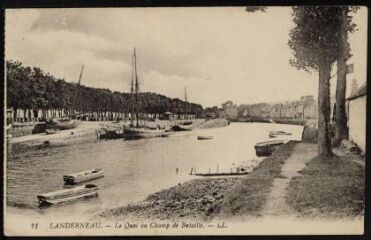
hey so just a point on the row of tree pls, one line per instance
(31, 88)
(319, 39)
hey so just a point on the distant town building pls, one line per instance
(212, 112)
(221, 113)
(310, 107)
(231, 113)
(356, 111)
(230, 110)
(305, 108)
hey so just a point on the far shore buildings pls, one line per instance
(356, 109)
(304, 108)
(230, 110)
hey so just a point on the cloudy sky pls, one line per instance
(218, 53)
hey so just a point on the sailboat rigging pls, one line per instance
(76, 90)
(66, 122)
(138, 131)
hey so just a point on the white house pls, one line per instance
(357, 117)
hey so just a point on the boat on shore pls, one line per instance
(83, 176)
(143, 132)
(185, 126)
(51, 131)
(220, 174)
(204, 137)
(181, 128)
(55, 124)
(273, 134)
(267, 148)
(111, 131)
(113, 134)
(66, 195)
(236, 172)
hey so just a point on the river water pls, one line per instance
(133, 169)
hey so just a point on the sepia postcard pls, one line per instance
(185, 121)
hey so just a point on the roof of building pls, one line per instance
(362, 91)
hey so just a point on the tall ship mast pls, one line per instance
(76, 89)
(65, 123)
(136, 88)
(138, 131)
(132, 104)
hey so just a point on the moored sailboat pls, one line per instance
(137, 131)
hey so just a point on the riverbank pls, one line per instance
(89, 131)
(205, 198)
(290, 183)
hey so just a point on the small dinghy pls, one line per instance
(51, 131)
(66, 195)
(83, 176)
(204, 137)
(237, 172)
(273, 134)
(267, 148)
(220, 174)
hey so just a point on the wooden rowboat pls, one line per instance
(83, 176)
(267, 148)
(238, 171)
(220, 174)
(61, 124)
(204, 137)
(51, 131)
(66, 195)
(180, 128)
(141, 132)
(273, 134)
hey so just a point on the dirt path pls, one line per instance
(276, 202)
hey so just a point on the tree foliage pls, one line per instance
(315, 37)
(31, 88)
(255, 8)
(316, 43)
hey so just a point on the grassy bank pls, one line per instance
(206, 198)
(250, 194)
(329, 187)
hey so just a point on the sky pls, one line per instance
(217, 53)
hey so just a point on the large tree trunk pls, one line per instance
(341, 129)
(15, 115)
(324, 109)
